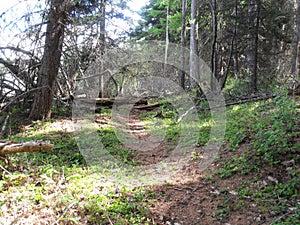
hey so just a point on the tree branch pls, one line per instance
(32, 146)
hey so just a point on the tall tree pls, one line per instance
(214, 44)
(167, 35)
(253, 30)
(102, 42)
(154, 21)
(57, 18)
(183, 41)
(233, 50)
(296, 41)
(193, 42)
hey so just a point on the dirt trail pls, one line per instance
(195, 198)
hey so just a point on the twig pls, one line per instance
(97, 75)
(4, 125)
(20, 96)
(5, 170)
(238, 102)
(279, 218)
(178, 189)
(64, 212)
(109, 220)
(20, 50)
(185, 114)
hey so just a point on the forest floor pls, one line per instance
(203, 197)
(245, 184)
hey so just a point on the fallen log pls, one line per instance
(238, 102)
(31, 146)
(148, 107)
(111, 101)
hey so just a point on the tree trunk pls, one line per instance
(183, 42)
(167, 37)
(298, 57)
(214, 45)
(296, 41)
(102, 43)
(193, 44)
(48, 72)
(253, 25)
(233, 46)
(236, 48)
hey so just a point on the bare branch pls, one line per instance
(31, 146)
(22, 95)
(20, 50)
(104, 72)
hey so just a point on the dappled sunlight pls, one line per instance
(68, 126)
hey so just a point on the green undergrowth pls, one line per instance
(261, 137)
(162, 122)
(61, 181)
(269, 132)
(114, 146)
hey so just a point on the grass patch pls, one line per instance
(60, 184)
(113, 145)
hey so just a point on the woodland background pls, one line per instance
(252, 49)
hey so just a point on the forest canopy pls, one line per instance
(251, 47)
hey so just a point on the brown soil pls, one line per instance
(195, 196)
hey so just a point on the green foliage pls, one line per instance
(275, 130)
(240, 120)
(113, 145)
(153, 25)
(164, 125)
(65, 152)
(227, 170)
(58, 179)
(289, 219)
(236, 165)
(123, 207)
(240, 86)
(61, 111)
(269, 128)
(205, 126)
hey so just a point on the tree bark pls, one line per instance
(214, 45)
(253, 26)
(31, 146)
(233, 45)
(296, 41)
(251, 37)
(59, 10)
(183, 42)
(102, 37)
(193, 44)
(236, 48)
(167, 37)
